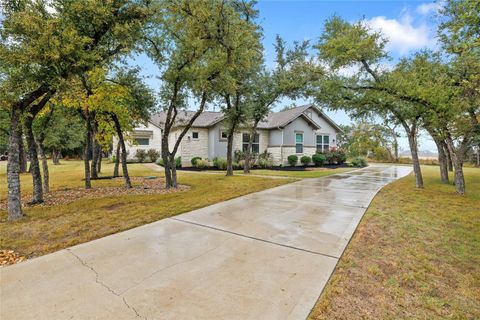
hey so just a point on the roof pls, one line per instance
(274, 120)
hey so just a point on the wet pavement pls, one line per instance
(267, 255)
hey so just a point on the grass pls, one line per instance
(47, 229)
(313, 173)
(415, 255)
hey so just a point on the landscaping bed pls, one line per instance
(141, 186)
(276, 168)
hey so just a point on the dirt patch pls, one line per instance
(141, 186)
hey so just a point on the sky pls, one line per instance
(407, 25)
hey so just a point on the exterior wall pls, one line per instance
(194, 147)
(155, 140)
(276, 137)
(325, 128)
(218, 147)
(298, 125)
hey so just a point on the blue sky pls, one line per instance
(408, 25)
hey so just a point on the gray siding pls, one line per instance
(298, 125)
(275, 137)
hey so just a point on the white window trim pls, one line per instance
(323, 135)
(253, 143)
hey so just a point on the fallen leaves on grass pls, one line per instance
(141, 186)
(8, 257)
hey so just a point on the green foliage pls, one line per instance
(64, 131)
(200, 163)
(178, 162)
(141, 155)
(264, 163)
(153, 155)
(358, 162)
(4, 130)
(335, 156)
(319, 159)
(344, 44)
(159, 162)
(194, 160)
(220, 163)
(305, 160)
(292, 160)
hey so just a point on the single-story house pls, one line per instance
(301, 131)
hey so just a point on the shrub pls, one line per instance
(319, 159)
(265, 155)
(201, 164)
(305, 160)
(153, 154)
(178, 162)
(141, 154)
(335, 156)
(358, 162)
(340, 156)
(292, 160)
(159, 161)
(239, 155)
(220, 163)
(264, 163)
(194, 160)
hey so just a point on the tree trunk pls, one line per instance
(442, 160)
(99, 159)
(173, 168)
(13, 168)
(117, 160)
(412, 141)
(34, 164)
(46, 176)
(93, 166)
(248, 157)
(86, 154)
(449, 159)
(56, 156)
(457, 159)
(230, 153)
(22, 154)
(121, 141)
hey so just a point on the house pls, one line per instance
(301, 131)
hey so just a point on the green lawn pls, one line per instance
(47, 229)
(309, 173)
(415, 255)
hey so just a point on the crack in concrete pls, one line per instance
(97, 280)
(175, 264)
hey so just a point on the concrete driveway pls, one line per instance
(267, 255)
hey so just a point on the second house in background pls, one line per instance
(302, 131)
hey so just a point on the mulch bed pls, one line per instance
(276, 168)
(141, 186)
(8, 257)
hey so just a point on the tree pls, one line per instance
(290, 78)
(370, 90)
(197, 45)
(43, 46)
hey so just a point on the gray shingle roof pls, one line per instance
(273, 120)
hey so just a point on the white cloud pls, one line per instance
(402, 35)
(429, 7)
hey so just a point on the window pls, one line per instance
(142, 141)
(323, 143)
(255, 142)
(223, 135)
(195, 135)
(298, 142)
